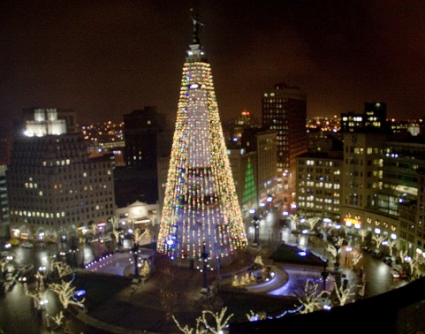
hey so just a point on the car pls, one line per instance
(7, 255)
(105, 239)
(398, 274)
(25, 276)
(22, 277)
(14, 242)
(376, 253)
(395, 274)
(27, 244)
(388, 260)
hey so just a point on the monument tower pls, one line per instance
(200, 206)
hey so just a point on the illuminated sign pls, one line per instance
(351, 221)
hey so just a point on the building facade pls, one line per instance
(54, 187)
(284, 110)
(319, 177)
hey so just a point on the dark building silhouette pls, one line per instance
(373, 119)
(141, 128)
(144, 142)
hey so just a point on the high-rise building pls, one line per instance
(141, 128)
(319, 177)
(200, 213)
(373, 119)
(284, 110)
(54, 187)
(4, 205)
(49, 116)
(263, 143)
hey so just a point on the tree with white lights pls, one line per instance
(343, 294)
(312, 300)
(35, 295)
(312, 222)
(415, 267)
(65, 292)
(3, 264)
(363, 234)
(115, 227)
(334, 249)
(294, 219)
(379, 239)
(58, 319)
(355, 258)
(391, 245)
(203, 323)
(255, 316)
(62, 268)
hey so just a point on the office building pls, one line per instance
(53, 185)
(284, 110)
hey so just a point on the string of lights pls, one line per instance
(200, 202)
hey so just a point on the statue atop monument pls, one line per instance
(196, 26)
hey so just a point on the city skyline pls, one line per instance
(104, 60)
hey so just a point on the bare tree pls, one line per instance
(202, 323)
(343, 294)
(255, 316)
(63, 269)
(58, 319)
(115, 227)
(312, 222)
(3, 264)
(65, 292)
(356, 257)
(403, 255)
(220, 321)
(294, 220)
(379, 239)
(391, 243)
(363, 234)
(35, 296)
(312, 299)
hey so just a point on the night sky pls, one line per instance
(105, 58)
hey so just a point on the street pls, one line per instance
(18, 315)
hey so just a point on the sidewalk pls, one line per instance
(147, 307)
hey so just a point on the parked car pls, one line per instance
(14, 242)
(395, 273)
(398, 274)
(27, 244)
(376, 253)
(388, 260)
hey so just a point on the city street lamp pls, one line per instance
(256, 222)
(73, 249)
(205, 265)
(135, 252)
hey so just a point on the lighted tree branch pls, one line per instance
(311, 298)
(58, 319)
(65, 292)
(356, 257)
(220, 321)
(202, 325)
(391, 243)
(62, 268)
(342, 294)
(379, 239)
(363, 234)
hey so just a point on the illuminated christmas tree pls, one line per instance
(200, 202)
